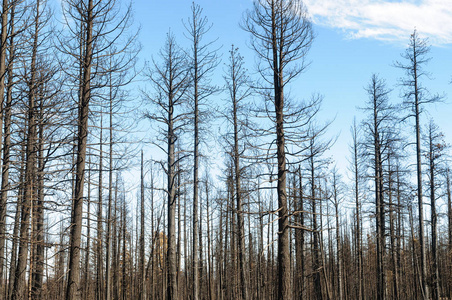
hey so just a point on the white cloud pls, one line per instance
(391, 20)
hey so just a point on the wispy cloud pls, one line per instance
(391, 20)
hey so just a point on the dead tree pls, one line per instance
(336, 198)
(449, 226)
(142, 282)
(378, 128)
(435, 145)
(203, 61)
(415, 96)
(170, 79)
(237, 84)
(94, 29)
(7, 9)
(281, 35)
(31, 78)
(316, 148)
(357, 171)
(86, 15)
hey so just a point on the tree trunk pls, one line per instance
(115, 242)
(338, 242)
(315, 233)
(30, 171)
(284, 286)
(432, 155)
(87, 275)
(7, 115)
(38, 272)
(238, 189)
(392, 234)
(142, 283)
(100, 237)
(449, 227)
(73, 283)
(424, 284)
(299, 236)
(172, 293)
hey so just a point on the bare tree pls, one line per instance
(336, 198)
(33, 83)
(142, 282)
(415, 96)
(86, 15)
(202, 62)
(170, 79)
(357, 171)
(237, 84)
(316, 148)
(97, 26)
(379, 129)
(434, 142)
(6, 7)
(281, 36)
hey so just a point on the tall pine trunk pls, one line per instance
(73, 282)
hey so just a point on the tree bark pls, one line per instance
(30, 171)
(73, 282)
(142, 291)
(5, 111)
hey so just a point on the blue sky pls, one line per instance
(354, 38)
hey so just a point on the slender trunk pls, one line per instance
(299, 235)
(154, 233)
(261, 282)
(209, 254)
(358, 244)
(201, 255)
(100, 237)
(424, 285)
(322, 251)
(142, 283)
(38, 272)
(434, 220)
(115, 244)
(284, 283)
(221, 257)
(12, 269)
(60, 272)
(179, 229)
(238, 191)
(449, 227)
(315, 232)
(399, 230)
(226, 263)
(270, 252)
(73, 283)
(379, 203)
(87, 277)
(195, 165)
(338, 246)
(6, 114)
(124, 290)
(395, 278)
(108, 275)
(171, 181)
(30, 171)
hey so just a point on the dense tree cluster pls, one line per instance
(278, 221)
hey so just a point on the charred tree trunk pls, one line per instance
(38, 272)
(299, 240)
(142, 283)
(73, 282)
(5, 114)
(30, 171)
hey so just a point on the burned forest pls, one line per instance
(141, 163)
